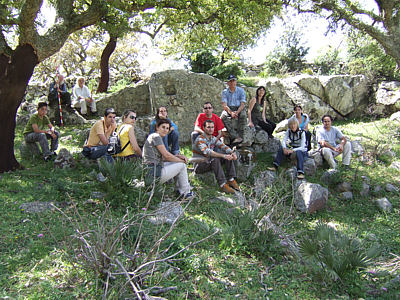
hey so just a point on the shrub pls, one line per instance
(223, 71)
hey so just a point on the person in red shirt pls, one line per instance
(207, 115)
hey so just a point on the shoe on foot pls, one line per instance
(233, 184)
(227, 189)
(300, 176)
(238, 140)
(188, 196)
(271, 169)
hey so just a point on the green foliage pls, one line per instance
(328, 61)
(367, 56)
(335, 254)
(203, 60)
(223, 71)
(289, 55)
(245, 231)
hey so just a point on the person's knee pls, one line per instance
(174, 134)
(42, 136)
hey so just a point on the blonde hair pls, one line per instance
(294, 120)
(79, 78)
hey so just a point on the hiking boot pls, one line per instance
(233, 184)
(227, 189)
(188, 196)
(300, 176)
(272, 169)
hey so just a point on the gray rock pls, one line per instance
(248, 137)
(64, 160)
(167, 212)
(395, 165)
(98, 195)
(247, 160)
(311, 197)
(101, 178)
(346, 195)
(272, 145)
(258, 148)
(236, 199)
(384, 205)
(261, 137)
(364, 189)
(66, 138)
(330, 176)
(310, 167)
(391, 188)
(371, 237)
(292, 173)
(264, 179)
(29, 150)
(344, 187)
(395, 116)
(356, 149)
(317, 157)
(366, 179)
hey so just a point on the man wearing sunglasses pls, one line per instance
(207, 115)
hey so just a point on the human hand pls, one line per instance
(183, 157)
(251, 125)
(228, 157)
(58, 90)
(339, 148)
(234, 156)
(53, 136)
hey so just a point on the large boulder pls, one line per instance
(263, 180)
(310, 197)
(247, 160)
(135, 97)
(29, 150)
(184, 94)
(64, 160)
(388, 94)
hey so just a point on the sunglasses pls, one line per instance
(132, 117)
(207, 107)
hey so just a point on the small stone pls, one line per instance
(371, 237)
(346, 195)
(330, 176)
(101, 178)
(390, 188)
(378, 189)
(384, 205)
(395, 165)
(66, 138)
(364, 189)
(98, 195)
(344, 187)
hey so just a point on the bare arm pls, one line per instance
(37, 130)
(324, 143)
(219, 135)
(226, 108)
(263, 113)
(103, 139)
(198, 129)
(241, 107)
(251, 106)
(168, 156)
(134, 144)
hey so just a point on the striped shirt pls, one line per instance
(204, 147)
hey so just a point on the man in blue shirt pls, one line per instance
(234, 115)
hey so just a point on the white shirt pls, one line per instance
(84, 92)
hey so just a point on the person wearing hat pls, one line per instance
(233, 115)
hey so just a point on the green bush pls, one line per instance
(223, 71)
(202, 61)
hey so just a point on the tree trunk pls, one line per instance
(14, 78)
(105, 56)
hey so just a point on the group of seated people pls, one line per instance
(161, 154)
(81, 97)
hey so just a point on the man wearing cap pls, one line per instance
(233, 115)
(207, 115)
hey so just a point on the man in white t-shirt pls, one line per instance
(326, 138)
(82, 97)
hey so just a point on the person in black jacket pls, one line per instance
(55, 88)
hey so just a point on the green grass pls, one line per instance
(35, 249)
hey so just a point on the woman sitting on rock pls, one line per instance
(172, 138)
(303, 120)
(126, 134)
(298, 144)
(256, 112)
(154, 152)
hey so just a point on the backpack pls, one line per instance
(294, 140)
(114, 143)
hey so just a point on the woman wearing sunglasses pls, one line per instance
(126, 134)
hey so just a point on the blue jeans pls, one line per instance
(301, 156)
(172, 139)
(42, 139)
(97, 152)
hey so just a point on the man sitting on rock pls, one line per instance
(207, 115)
(82, 97)
(233, 101)
(326, 138)
(203, 147)
(35, 131)
(96, 144)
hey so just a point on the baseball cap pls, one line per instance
(231, 77)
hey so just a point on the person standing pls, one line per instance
(207, 115)
(205, 146)
(256, 113)
(36, 131)
(326, 138)
(82, 97)
(96, 145)
(57, 88)
(233, 100)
